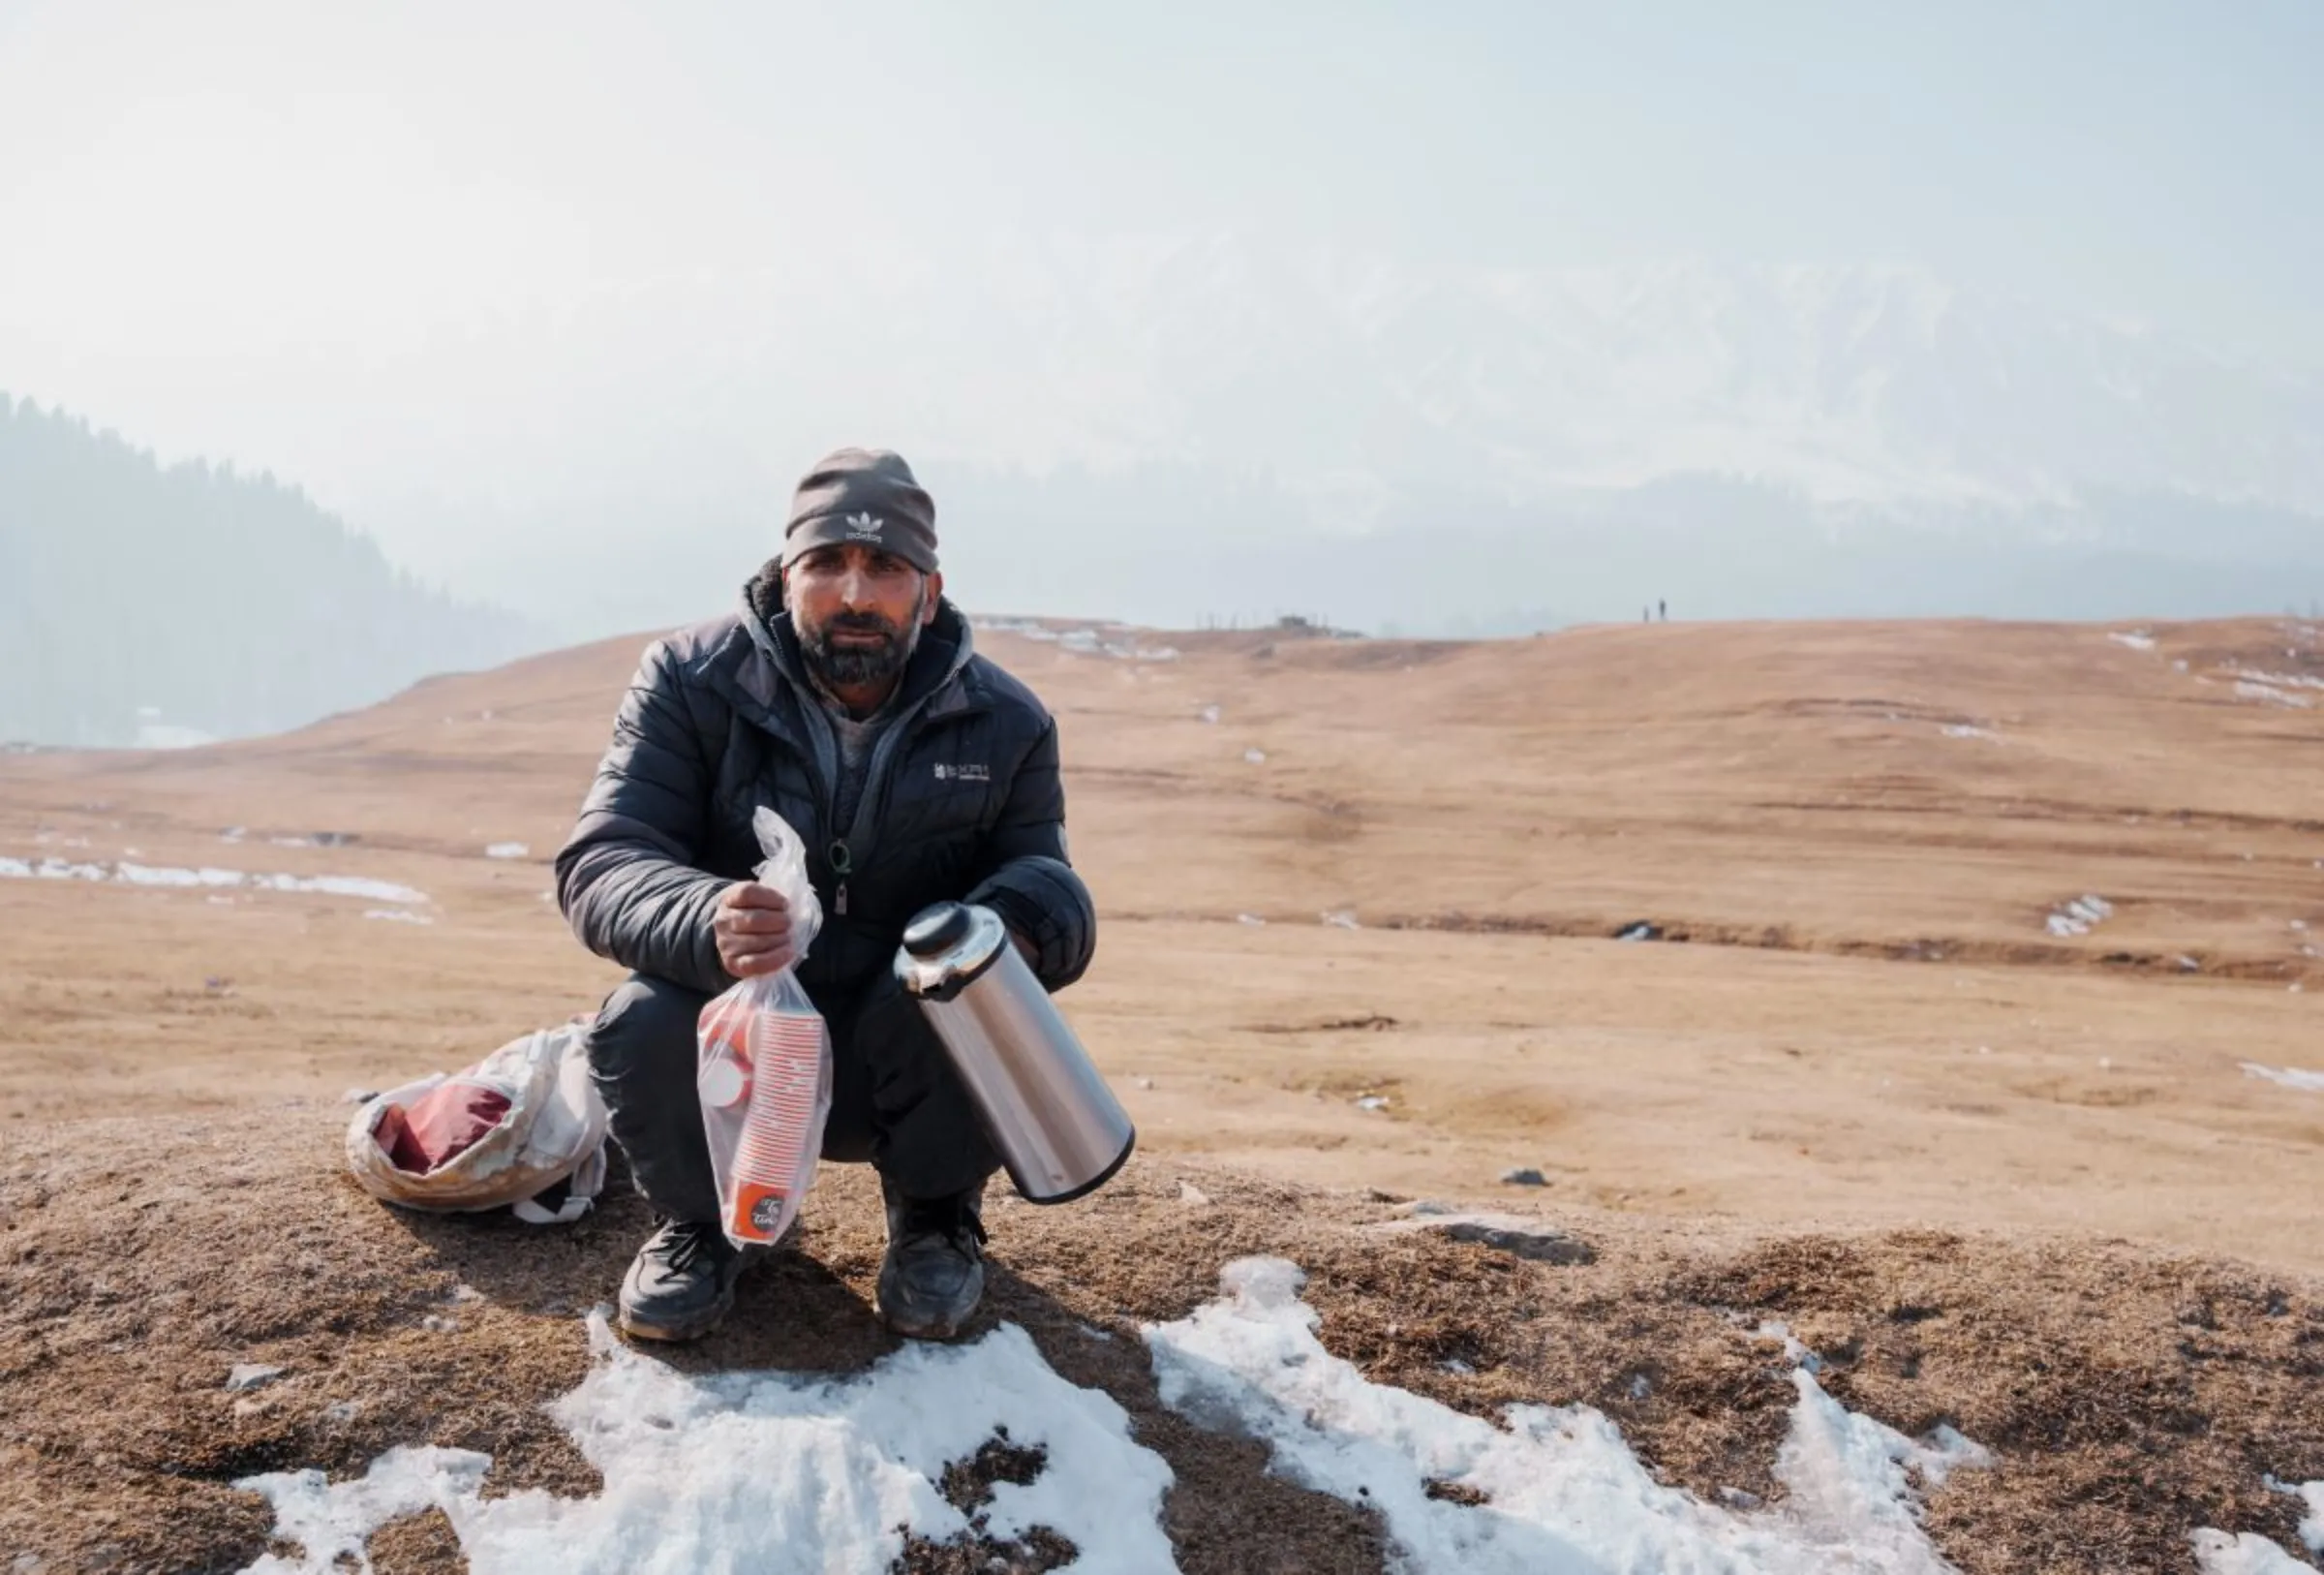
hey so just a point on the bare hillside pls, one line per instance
(1868, 839)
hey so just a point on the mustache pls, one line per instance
(860, 623)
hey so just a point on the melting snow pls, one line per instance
(2290, 1077)
(398, 915)
(2080, 916)
(2219, 1554)
(139, 875)
(2137, 641)
(1564, 1491)
(507, 850)
(1254, 757)
(2244, 689)
(2311, 1494)
(1082, 642)
(780, 1471)
(767, 1471)
(331, 1521)
(164, 735)
(1963, 729)
(1342, 921)
(2278, 680)
(144, 875)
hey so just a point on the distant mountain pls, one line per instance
(144, 605)
(1302, 406)
(1339, 376)
(1346, 376)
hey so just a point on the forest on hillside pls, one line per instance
(147, 603)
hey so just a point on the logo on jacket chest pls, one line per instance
(963, 773)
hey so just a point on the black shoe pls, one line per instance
(933, 1273)
(681, 1284)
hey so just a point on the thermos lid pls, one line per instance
(937, 930)
(948, 946)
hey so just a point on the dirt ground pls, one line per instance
(1357, 933)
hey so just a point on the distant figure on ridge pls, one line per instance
(846, 694)
(1664, 609)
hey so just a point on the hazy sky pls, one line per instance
(222, 225)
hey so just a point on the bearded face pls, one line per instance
(851, 648)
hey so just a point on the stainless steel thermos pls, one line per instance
(1056, 1124)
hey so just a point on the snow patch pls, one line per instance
(1564, 1490)
(2311, 1494)
(139, 875)
(2080, 916)
(340, 885)
(1963, 729)
(769, 1471)
(2136, 639)
(144, 875)
(2219, 1554)
(331, 1521)
(1082, 641)
(2267, 695)
(507, 850)
(397, 915)
(2276, 680)
(163, 736)
(2290, 1077)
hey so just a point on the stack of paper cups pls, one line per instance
(773, 1165)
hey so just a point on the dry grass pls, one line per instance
(2129, 1397)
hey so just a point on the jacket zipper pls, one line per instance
(875, 786)
(841, 854)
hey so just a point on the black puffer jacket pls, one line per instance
(962, 800)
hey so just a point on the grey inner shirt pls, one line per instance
(857, 739)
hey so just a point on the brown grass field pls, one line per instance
(1854, 1056)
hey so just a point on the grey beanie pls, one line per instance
(867, 496)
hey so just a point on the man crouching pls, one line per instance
(846, 696)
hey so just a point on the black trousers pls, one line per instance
(895, 1102)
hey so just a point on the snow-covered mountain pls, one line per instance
(1851, 383)
(1342, 394)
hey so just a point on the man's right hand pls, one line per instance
(753, 929)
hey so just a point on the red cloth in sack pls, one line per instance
(440, 1126)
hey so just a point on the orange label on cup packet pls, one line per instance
(760, 1212)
